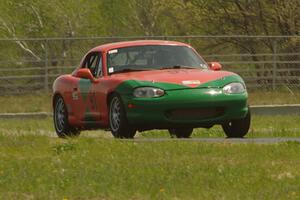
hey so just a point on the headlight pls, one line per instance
(234, 88)
(148, 92)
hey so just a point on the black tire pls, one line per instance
(118, 122)
(181, 132)
(60, 118)
(237, 128)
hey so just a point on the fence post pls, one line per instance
(46, 78)
(274, 65)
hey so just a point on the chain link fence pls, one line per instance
(267, 63)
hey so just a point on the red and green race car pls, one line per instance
(133, 86)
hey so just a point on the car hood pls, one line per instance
(182, 78)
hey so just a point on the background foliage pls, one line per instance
(55, 18)
(110, 18)
(42, 18)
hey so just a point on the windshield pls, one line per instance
(152, 57)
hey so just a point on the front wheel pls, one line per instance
(60, 117)
(118, 123)
(181, 132)
(237, 128)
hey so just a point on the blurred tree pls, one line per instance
(69, 18)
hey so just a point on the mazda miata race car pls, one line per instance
(141, 85)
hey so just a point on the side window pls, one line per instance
(99, 67)
(93, 61)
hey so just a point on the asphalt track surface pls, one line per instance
(246, 140)
(220, 140)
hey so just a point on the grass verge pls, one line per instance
(40, 167)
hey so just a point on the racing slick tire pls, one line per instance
(181, 132)
(60, 118)
(118, 122)
(237, 128)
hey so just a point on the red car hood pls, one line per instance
(187, 77)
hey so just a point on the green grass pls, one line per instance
(25, 103)
(42, 102)
(40, 167)
(267, 97)
(95, 166)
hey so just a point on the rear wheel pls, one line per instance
(60, 118)
(237, 128)
(118, 123)
(181, 132)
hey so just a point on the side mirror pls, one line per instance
(86, 73)
(215, 66)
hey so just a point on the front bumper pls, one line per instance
(198, 107)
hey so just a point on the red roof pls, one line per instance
(106, 47)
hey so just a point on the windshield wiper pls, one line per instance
(178, 67)
(130, 70)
